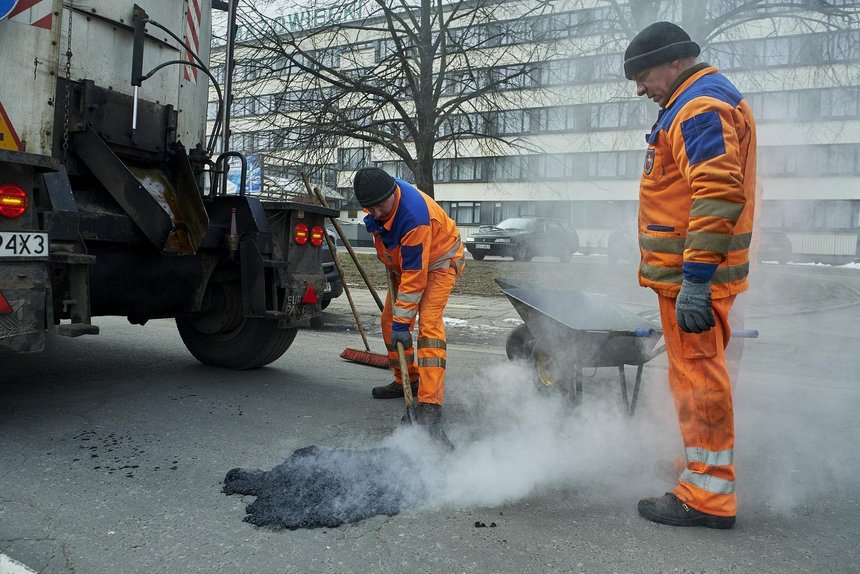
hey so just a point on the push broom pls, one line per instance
(364, 356)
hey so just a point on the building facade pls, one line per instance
(585, 127)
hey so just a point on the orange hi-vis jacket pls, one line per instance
(697, 193)
(417, 238)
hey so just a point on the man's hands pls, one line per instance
(402, 337)
(693, 307)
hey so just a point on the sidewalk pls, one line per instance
(469, 319)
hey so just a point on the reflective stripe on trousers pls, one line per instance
(702, 392)
(430, 342)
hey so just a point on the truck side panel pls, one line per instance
(28, 60)
(102, 50)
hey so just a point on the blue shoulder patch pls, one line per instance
(710, 85)
(411, 212)
(410, 257)
(703, 137)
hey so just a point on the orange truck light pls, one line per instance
(317, 236)
(13, 201)
(300, 236)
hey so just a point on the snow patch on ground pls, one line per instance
(452, 322)
(513, 321)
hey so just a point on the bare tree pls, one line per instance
(423, 79)
(416, 79)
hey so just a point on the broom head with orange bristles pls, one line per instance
(366, 358)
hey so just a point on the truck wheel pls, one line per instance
(478, 256)
(222, 337)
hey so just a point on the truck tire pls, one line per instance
(223, 338)
(257, 342)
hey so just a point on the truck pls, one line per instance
(113, 197)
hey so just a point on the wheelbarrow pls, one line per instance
(565, 331)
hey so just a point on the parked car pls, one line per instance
(333, 286)
(524, 238)
(773, 245)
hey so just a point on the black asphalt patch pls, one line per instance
(323, 487)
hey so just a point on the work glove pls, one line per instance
(402, 337)
(693, 307)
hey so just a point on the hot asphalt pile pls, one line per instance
(323, 487)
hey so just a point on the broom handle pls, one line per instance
(331, 249)
(321, 199)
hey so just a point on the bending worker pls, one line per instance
(696, 203)
(420, 244)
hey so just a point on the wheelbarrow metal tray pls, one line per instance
(581, 329)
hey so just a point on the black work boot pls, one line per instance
(669, 509)
(429, 417)
(393, 391)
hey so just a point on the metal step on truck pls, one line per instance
(113, 199)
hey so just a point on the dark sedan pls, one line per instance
(524, 238)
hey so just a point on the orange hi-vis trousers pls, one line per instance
(432, 354)
(702, 391)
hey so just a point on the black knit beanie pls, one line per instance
(372, 186)
(659, 43)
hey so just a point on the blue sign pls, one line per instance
(253, 178)
(6, 6)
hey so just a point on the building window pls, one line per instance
(608, 116)
(465, 212)
(840, 102)
(353, 158)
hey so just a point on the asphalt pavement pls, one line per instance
(114, 449)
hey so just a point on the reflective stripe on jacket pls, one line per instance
(417, 238)
(697, 193)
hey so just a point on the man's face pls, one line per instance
(655, 82)
(382, 211)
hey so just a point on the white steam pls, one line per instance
(514, 440)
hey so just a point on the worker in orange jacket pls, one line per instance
(696, 204)
(420, 244)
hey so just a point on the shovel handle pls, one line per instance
(404, 374)
(401, 353)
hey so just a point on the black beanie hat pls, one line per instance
(372, 186)
(657, 44)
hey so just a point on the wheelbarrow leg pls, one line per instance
(636, 386)
(623, 380)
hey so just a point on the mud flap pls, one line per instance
(23, 329)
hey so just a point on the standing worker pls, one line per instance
(696, 204)
(420, 244)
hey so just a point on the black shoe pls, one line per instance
(429, 417)
(668, 509)
(393, 391)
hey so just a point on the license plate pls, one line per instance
(327, 287)
(17, 244)
(483, 246)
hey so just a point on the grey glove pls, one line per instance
(693, 307)
(402, 337)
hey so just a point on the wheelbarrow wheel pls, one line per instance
(520, 344)
(552, 378)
